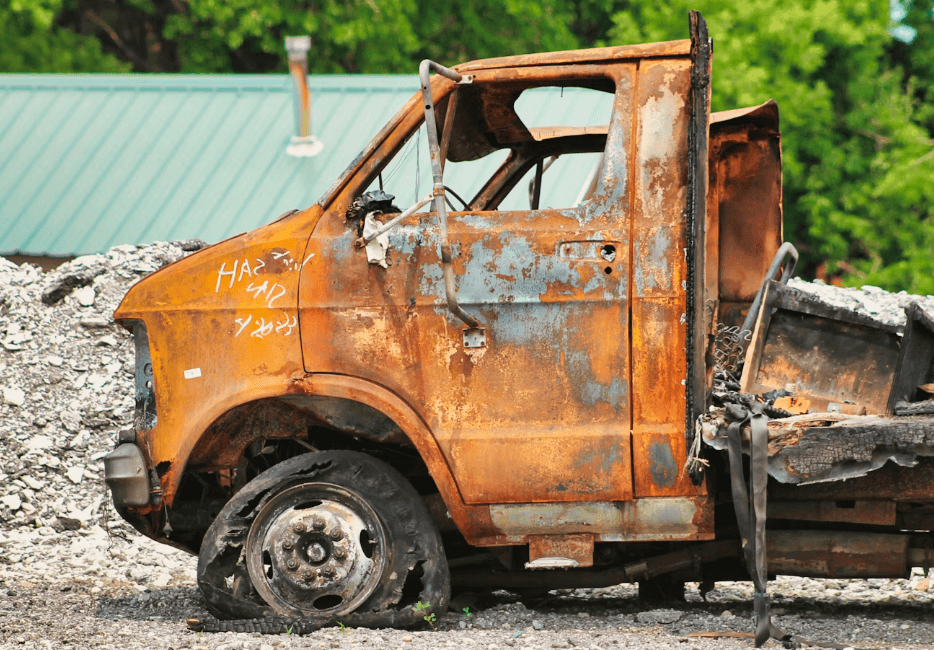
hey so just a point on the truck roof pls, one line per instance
(617, 53)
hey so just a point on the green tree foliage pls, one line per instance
(349, 35)
(460, 31)
(371, 36)
(857, 106)
(33, 42)
(363, 35)
(855, 155)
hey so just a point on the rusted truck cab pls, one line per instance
(328, 413)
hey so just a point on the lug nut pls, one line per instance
(340, 553)
(327, 572)
(298, 527)
(318, 523)
(292, 564)
(308, 576)
(336, 534)
(287, 545)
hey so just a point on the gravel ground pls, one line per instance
(73, 575)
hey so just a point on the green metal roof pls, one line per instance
(91, 161)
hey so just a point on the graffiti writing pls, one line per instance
(230, 275)
(270, 294)
(246, 274)
(263, 328)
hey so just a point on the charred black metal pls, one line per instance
(695, 341)
(375, 201)
(915, 364)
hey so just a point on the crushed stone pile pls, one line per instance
(66, 390)
(66, 381)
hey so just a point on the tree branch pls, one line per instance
(127, 51)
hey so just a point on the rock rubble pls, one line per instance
(72, 574)
(868, 300)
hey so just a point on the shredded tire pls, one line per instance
(416, 565)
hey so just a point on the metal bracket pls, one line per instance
(475, 337)
(465, 79)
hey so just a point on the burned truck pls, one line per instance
(356, 408)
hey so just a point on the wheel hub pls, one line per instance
(315, 550)
(312, 549)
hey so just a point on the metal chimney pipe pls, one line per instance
(303, 144)
(298, 48)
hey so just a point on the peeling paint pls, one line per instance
(511, 270)
(526, 325)
(663, 467)
(660, 117)
(653, 275)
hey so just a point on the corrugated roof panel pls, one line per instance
(89, 161)
(51, 210)
(30, 139)
(127, 178)
(233, 142)
(89, 226)
(176, 147)
(67, 185)
(257, 208)
(50, 169)
(14, 117)
(73, 214)
(261, 149)
(181, 176)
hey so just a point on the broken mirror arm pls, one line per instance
(475, 333)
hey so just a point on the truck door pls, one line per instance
(542, 411)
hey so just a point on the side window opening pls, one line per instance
(567, 181)
(408, 174)
(499, 132)
(559, 107)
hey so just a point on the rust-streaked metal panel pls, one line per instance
(832, 355)
(741, 133)
(573, 547)
(223, 330)
(915, 364)
(596, 55)
(542, 412)
(875, 513)
(666, 518)
(748, 197)
(659, 275)
(825, 554)
(744, 206)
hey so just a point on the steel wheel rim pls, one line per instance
(316, 550)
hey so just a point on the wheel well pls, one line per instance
(255, 436)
